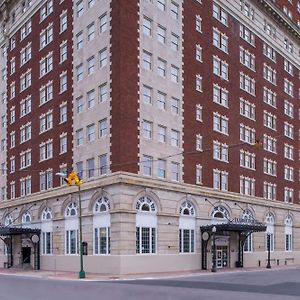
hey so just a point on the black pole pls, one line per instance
(269, 250)
(214, 255)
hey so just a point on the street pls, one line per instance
(259, 285)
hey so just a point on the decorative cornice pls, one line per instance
(272, 10)
(119, 178)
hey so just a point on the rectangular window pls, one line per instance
(161, 168)
(103, 128)
(147, 60)
(220, 123)
(269, 97)
(220, 95)
(186, 240)
(247, 58)
(247, 134)
(175, 171)
(90, 131)
(103, 94)
(175, 138)
(270, 167)
(220, 151)
(103, 164)
(71, 241)
(103, 23)
(220, 40)
(270, 190)
(103, 58)
(147, 94)
(247, 159)
(247, 186)
(147, 165)
(269, 52)
(91, 32)
(220, 68)
(247, 35)
(161, 34)
(147, 129)
(270, 120)
(90, 99)
(247, 109)
(147, 26)
(220, 180)
(220, 14)
(198, 174)
(91, 167)
(161, 133)
(247, 84)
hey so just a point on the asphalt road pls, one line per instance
(259, 285)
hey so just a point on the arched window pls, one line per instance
(145, 204)
(146, 224)
(26, 218)
(288, 222)
(8, 220)
(220, 215)
(47, 229)
(102, 205)
(47, 214)
(71, 229)
(269, 220)
(71, 210)
(101, 224)
(187, 224)
(248, 244)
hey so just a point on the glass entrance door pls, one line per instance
(222, 256)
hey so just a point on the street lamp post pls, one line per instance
(69, 179)
(269, 250)
(214, 256)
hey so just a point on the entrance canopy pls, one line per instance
(235, 227)
(5, 231)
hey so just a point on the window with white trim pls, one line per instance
(220, 123)
(220, 68)
(288, 130)
(46, 10)
(247, 84)
(220, 151)
(175, 138)
(247, 35)
(247, 9)
(269, 97)
(270, 190)
(198, 23)
(147, 165)
(247, 58)
(247, 134)
(199, 143)
(146, 226)
(46, 121)
(46, 150)
(198, 174)
(220, 95)
(247, 159)
(198, 83)
(25, 54)
(63, 22)
(288, 232)
(247, 109)
(46, 64)
(269, 52)
(198, 53)
(220, 180)
(288, 195)
(270, 29)
(71, 229)
(288, 151)
(270, 167)
(269, 74)
(103, 23)
(220, 40)
(25, 80)
(199, 109)
(288, 67)
(46, 93)
(288, 109)
(25, 159)
(147, 26)
(101, 226)
(247, 186)
(270, 120)
(288, 173)
(46, 36)
(47, 232)
(270, 143)
(25, 132)
(187, 225)
(220, 14)
(288, 87)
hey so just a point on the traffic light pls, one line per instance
(73, 177)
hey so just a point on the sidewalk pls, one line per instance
(62, 275)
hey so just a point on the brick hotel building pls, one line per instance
(181, 117)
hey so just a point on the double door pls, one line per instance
(222, 257)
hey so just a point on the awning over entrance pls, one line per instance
(242, 227)
(5, 231)
(236, 227)
(14, 245)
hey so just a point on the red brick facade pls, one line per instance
(124, 89)
(33, 90)
(192, 97)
